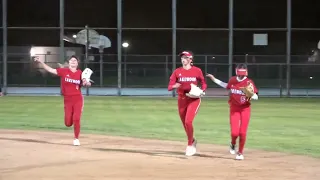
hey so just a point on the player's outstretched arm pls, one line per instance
(217, 81)
(46, 67)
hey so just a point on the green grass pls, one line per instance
(287, 125)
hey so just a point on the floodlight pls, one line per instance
(125, 44)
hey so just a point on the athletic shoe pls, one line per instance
(232, 149)
(239, 156)
(194, 143)
(191, 150)
(76, 142)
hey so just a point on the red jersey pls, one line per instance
(185, 78)
(70, 81)
(237, 97)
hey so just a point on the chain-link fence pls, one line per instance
(153, 71)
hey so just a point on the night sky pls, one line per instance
(157, 14)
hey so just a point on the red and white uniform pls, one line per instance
(236, 97)
(73, 100)
(240, 108)
(188, 107)
(186, 78)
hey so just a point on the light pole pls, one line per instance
(125, 46)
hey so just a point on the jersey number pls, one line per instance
(243, 99)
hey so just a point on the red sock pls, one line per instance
(242, 143)
(76, 127)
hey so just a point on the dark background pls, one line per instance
(147, 62)
(157, 14)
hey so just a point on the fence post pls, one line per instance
(174, 37)
(125, 68)
(46, 77)
(206, 64)
(87, 53)
(280, 80)
(166, 71)
(288, 44)
(101, 66)
(119, 45)
(5, 46)
(230, 44)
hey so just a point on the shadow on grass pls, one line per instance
(173, 154)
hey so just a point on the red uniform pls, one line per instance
(239, 110)
(188, 107)
(73, 99)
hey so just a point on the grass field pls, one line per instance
(286, 125)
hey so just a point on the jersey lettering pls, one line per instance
(236, 91)
(187, 79)
(236, 96)
(73, 81)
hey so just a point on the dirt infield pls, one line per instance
(47, 155)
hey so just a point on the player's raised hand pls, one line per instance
(176, 85)
(210, 76)
(37, 59)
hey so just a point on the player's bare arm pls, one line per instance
(46, 67)
(217, 81)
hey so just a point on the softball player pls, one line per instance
(72, 79)
(240, 106)
(188, 106)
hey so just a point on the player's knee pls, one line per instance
(76, 119)
(68, 122)
(235, 134)
(188, 123)
(243, 135)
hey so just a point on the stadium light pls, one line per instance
(125, 44)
